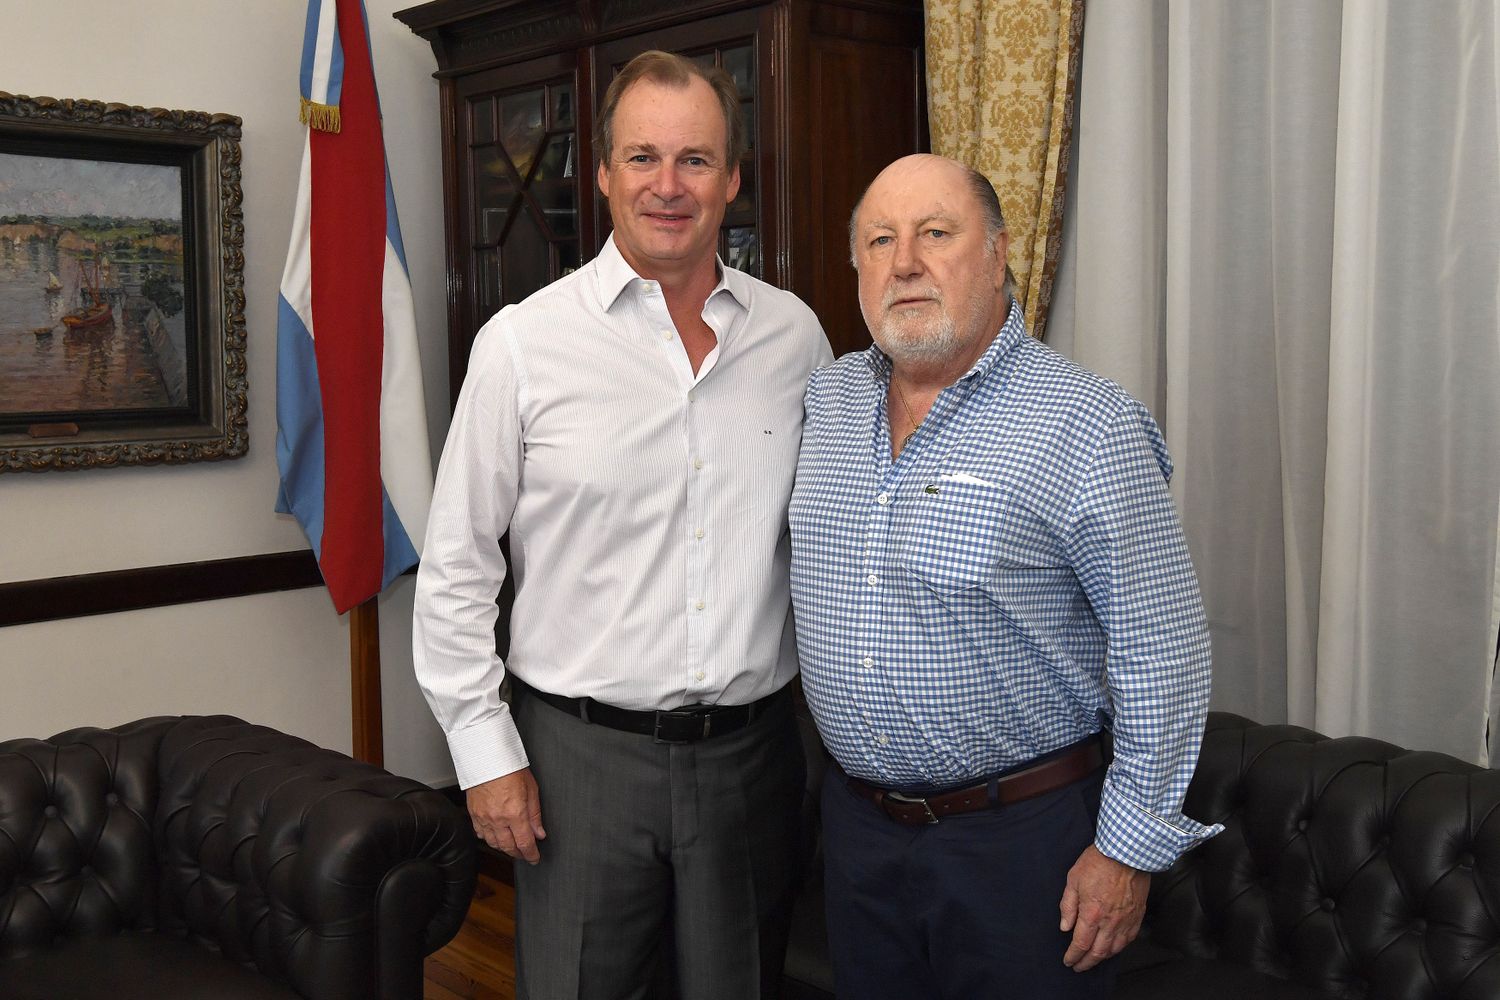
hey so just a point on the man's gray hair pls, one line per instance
(989, 204)
(671, 70)
(989, 207)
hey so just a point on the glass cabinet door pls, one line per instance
(739, 238)
(523, 167)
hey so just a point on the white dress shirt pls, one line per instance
(646, 506)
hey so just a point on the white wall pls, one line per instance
(279, 659)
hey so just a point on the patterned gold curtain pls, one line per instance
(1000, 78)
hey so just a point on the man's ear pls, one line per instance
(734, 185)
(1002, 269)
(603, 178)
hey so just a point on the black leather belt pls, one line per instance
(677, 725)
(1046, 775)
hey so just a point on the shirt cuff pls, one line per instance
(1143, 840)
(489, 749)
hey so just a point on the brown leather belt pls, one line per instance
(1047, 775)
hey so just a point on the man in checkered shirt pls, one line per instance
(988, 573)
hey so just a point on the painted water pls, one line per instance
(133, 360)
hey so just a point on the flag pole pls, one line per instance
(364, 670)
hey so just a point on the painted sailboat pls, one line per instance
(97, 312)
(54, 284)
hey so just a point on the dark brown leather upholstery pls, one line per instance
(1347, 868)
(207, 857)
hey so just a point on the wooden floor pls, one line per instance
(480, 962)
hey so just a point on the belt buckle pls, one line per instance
(908, 800)
(676, 731)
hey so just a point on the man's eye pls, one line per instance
(880, 241)
(937, 233)
(695, 161)
(639, 158)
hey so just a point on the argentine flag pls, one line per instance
(351, 439)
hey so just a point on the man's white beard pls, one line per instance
(916, 339)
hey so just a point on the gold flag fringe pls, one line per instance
(323, 117)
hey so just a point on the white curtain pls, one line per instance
(1283, 236)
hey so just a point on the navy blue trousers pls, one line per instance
(965, 909)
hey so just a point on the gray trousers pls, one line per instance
(643, 837)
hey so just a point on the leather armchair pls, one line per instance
(206, 857)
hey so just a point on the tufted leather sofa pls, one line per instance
(1348, 868)
(205, 857)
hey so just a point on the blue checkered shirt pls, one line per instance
(1016, 579)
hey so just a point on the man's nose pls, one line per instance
(667, 182)
(906, 261)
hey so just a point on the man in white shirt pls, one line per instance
(635, 427)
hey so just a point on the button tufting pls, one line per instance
(111, 798)
(1466, 860)
(50, 811)
(1301, 826)
(1419, 926)
(1328, 904)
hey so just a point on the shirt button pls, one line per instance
(884, 498)
(883, 740)
(698, 676)
(691, 396)
(873, 579)
(697, 463)
(699, 605)
(868, 661)
(666, 335)
(698, 533)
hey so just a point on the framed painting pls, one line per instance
(122, 305)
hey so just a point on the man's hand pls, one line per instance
(1102, 905)
(507, 814)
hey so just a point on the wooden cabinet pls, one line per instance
(832, 90)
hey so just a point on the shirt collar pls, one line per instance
(1010, 334)
(615, 275)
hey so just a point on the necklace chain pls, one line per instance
(915, 423)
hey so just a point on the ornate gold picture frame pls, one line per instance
(122, 305)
